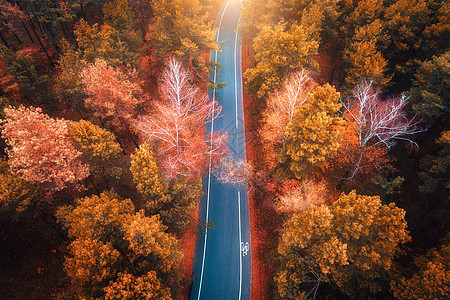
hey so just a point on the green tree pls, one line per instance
(279, 50)
(350, 243)
(113, 245)
(435, 168)
(15, 193)
(431, 88)
(314, 132)
(118, 14)
(34, 87)
(99, 147)
(182, 28)
(172, 198)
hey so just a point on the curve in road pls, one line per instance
(222, 263)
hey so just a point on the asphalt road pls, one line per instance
(222, 262)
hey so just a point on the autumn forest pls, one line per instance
(104, 152)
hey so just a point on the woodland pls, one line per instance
(103, 106)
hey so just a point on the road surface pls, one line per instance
(222, 263)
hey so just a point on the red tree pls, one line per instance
(111, 92)
(177, 123)
(40, 148)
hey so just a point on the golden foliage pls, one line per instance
(314, 132)
(350, 243)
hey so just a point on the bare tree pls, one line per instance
(280, 110)
(233, 171)
(297, 197)
(177, 123)
(377, 122)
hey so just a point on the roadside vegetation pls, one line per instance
(347, 104)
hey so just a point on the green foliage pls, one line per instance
(182, 28)
(99, 147)
(15, 194)
(279, 50)
(94, 42)
(390, 187)
(118, 14)
(314, 132)
(431, 89)
(173, 199)
(436, 168)
(33, 86)
(115, 247)
(350, 243)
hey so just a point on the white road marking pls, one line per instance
(240, 243)
(210, 159)
(237, 129)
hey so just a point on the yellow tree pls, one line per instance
(280, 110)
(99, 147)
(350, 243)
(432, 278)
(279, 50)
(116, 247)
(182, 28)
(364, 58)
(172, 198)
(314, 132)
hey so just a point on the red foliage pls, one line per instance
(40, 148)
(177, 122)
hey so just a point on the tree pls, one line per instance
(431, 88)
(280, 111)
(182, 28)
(99, 147)
(93, 42)
(118, 14)
(112, 94)
(177, 123)
(279, 50)
(40, 149)
(418, 29)
(364, 59)
(115, 247)
(127, 286)
(314, 132)
(435, 168)
(297, 197)
(350, 243)
(376, 122)
(15, 193)
(431, 279)
(172, 198)
(34, 87)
